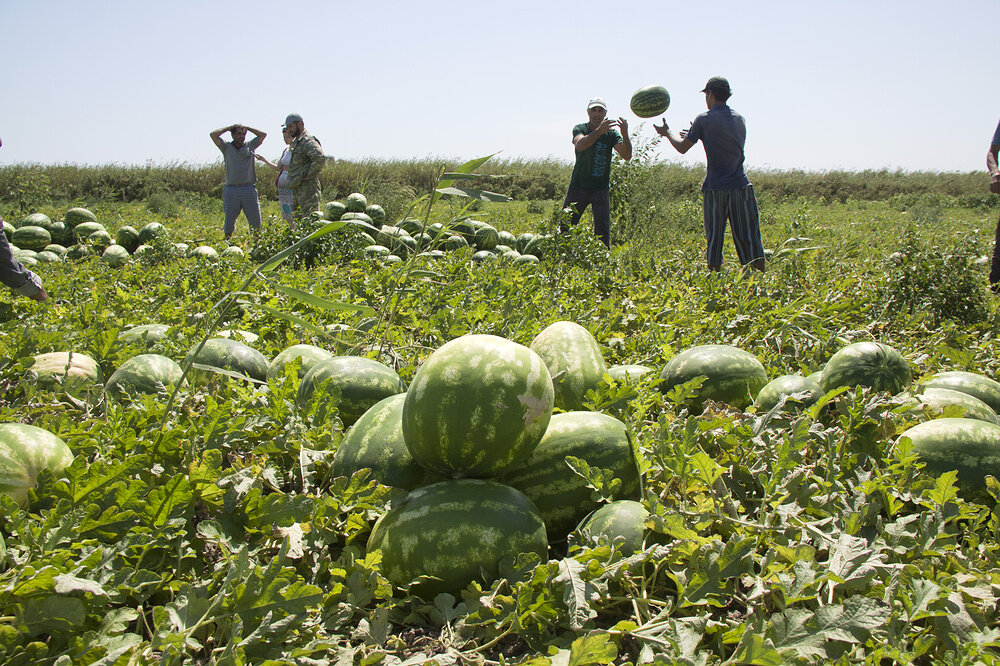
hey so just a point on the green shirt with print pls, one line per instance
(593, 165)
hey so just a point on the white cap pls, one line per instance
(597, 101)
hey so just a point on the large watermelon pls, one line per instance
(356, 203)
(734, 376)
(146, 373)
(937, 399)
(561, 495)
(574, 360)
(871, 364)
(969, 446)
(128, 238)
(24, 452)
(649, 101)
(333, 210)
(362, 383)
(477, 406)
(115, 256)
(786, 385)
(77, 216)
(83, 230)
(375, 442)
(151, 231)
(974, 384)
(76, 373)
(620, 520)
(31, 237)
(455, 532)
(308, 355)
(225, 354)
(376, 213)
(35, 220)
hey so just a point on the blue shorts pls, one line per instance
(236, 198)
(740, 208)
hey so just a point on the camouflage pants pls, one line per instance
(305, 198)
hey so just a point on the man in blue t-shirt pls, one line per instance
(727, 192)
(590, 184)
(991, 164)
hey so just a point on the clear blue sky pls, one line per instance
(823, 85)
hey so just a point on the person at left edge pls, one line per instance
(15, 275)
(240, 191)
(590, 184)
(994, 168)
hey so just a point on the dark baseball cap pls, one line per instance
(293, 118)
(718, 83)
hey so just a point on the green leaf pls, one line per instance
(320, 302)
(577, 592)
(594, 649)
(481, 195)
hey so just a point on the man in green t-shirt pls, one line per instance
(591, 181)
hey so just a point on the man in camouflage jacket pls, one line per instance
(306, 164)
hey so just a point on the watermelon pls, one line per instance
(35, 220)
(360, 217)
(77, 373)
(507, 238)
(628, 372)
(786, 385)
(79, 252)
(481, 235)
(452, 533)
(734, 376)
(574, 360)
(391, 259)
(483, 255)
(454, 242)
(233, 253)
(356, 203)
(937, 399)
(60, 233)
(376, 213)
(412, 226)
(621, 520)
(816, 377)
(976, 385)
(521, 242)
(649, 101)
(128, 238)
(83, 230)
(362, 383)
(526, 259)
(333, 210)
(77, 216)
(437, 230)
(116, 256)
(101, 240)
(969, 446)
(27, 260)
(146, 334)
(151, 374)
(204, 252)
(47, 257)
(478, 405)
(871, 364)
(238, 334)
(562, 496)
(25, 451)
(55, 248)
(31, 238)
(308, 355)
(150, 231)
(375, 442)
(377, 251)
(225, 354)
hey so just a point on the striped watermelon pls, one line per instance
(649, 101)
(204, 253)
(35, 220)
(969, 446)
(24, 452)
(83, 230)
(150, 231)
(455, 532)
(308, 355)
(621, 519)
(77, 216)
(574, 360)
(734, 376)
(477, 406)
(785, 385)
(937, 399)
(115, 256)
(376, 213)
(561, 495)
(362, 383)
(128, 238)
(31, 237)
(976, 385)
(225, 354)
(871, 364)
(356, 203)
(333, 210)
(145, 334)
(375, 442)
(76, 373)
(146, 373)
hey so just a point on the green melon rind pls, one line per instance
(734, 376)
(455, 532)
(72, 369)
(621, 519)
(226, 354)
(561, 495)
(76, 216)
(362, 382)
(970, 447)
(310, 355)
(25, 450)
(477, 406)
(974, 384)
(871, 364)
(649, 101)
(375, 442)
(145, 373)
(936, 399)
(31, 237)
(786, 385)
(574, 360)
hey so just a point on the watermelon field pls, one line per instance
(411, 440)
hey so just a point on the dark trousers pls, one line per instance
(995, 268)
(600, 203)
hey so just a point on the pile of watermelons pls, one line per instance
(491, 446)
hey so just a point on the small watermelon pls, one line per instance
(115, 256)
(333, 210)
(128, 238)
(622, 520)
(308, 355)
(650, 101)
(574, 360)
(151, 374)
(225, 354)
(76, 373)
(25, 451)
(871, 364)
(362, 383)
(734, 376)
(31, 237)
(150, 231)
(970, 447)
(35, 220)
(937, 399)
(77, 216)
(356, 203)
(786, 385)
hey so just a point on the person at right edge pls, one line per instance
(727, 193)
(304, 167)
(991, 164)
